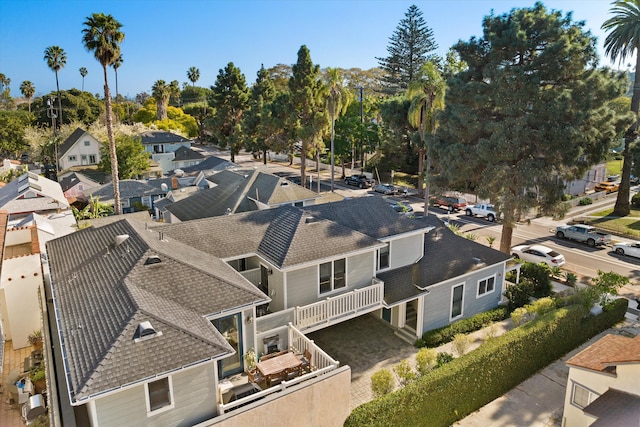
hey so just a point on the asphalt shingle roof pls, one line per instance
(68, 143)
(162, 137)
(102, 292)
(130, 188)
(615, 408)
(212, 163)
(50, 194)
(445, 256)
(608, 351)
(75, 178)
(185, 153)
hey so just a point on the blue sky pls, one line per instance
(163, 38)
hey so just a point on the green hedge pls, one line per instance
(437, 337)
(450, 393)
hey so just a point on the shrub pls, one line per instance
(539, 275)
(519, 294)
(635, 200)
(404, 372)
(437, 337)
(426, 360)
(443, 358)
(519, 316)
(542, 306)
(585, 201)
(570, 278)
(461, 343)
(491, 332)
(382, 383)
(567, 197)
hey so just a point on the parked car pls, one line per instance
(449, 202)
(634, 179)
(401, 207)
(484, 210)
(537, 254)
(608, 187)
(385, 188)
(361, 181)
(627, 248)
(583, 233)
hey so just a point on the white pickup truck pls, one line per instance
(482, 209)
(583, 233)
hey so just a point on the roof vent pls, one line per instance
(477, 262)
(153, 259)
(310, 220)
(145, 331)
(118, 240)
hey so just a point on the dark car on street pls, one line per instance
(360, 181)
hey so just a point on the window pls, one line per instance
(298, 204)
(581, 396)
(92, 158)
(383, 257)
(87, 143)
(72, 158)
(486, 285)
(159, 395)
(83, 157)
(456, 301)
(332, 275)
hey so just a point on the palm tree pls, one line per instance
(27, 89)
(161, 92)
(116, 64)
(83, 73)
(102, 36)
(56, 59)
(624, 40)
(427, 98)
(337, 102)
(193, 74)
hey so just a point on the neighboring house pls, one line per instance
(134, 192)
(602, 387)
(12, 165)
(209, 166)
(237, 191)
(79, 149)
(32, 193)
(74, 186)
(594, 176)
(169, 150)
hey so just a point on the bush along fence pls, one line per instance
(458, 388)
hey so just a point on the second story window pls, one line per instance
(383, 257)
(332, 275)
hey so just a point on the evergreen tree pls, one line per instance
(530, 111)
(255, 120)
(230, 98)
(307, 120)
(409, 49)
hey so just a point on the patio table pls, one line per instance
(278, 364)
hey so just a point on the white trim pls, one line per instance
(165, 408)
(333, 288)
(93, 412)
(592, 395)
(378, 269)
(485, 293)
(453, 287)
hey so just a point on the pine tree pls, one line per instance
(255, 126)
(408, 50)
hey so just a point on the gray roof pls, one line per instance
(369, 215)
(162, 137)
(74, 179)
(68, 143)
(211, 164)
(615, 408)
(102, 292)
(446, 256)
(285, 236)
(184, 153)
(238, 191)
(130, 188)
(50, 195)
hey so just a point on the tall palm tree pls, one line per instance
(56, 59)
(193, 74)
(27, 89)
(102, 36)
(83, 73)
(338, 100)
(161, 92)
(624, 40)
(427, 98)
(116, 64)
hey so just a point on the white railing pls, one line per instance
(321, 363)
(341, 307)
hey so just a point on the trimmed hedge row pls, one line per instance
(437, 337)
(450, 393)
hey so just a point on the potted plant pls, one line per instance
(250, 360)
(35, 339)
(37, 377)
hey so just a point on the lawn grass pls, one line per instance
(629, 225)
(614, 167)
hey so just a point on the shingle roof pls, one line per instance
(185, 153)
(73, 179)
(615, 408)
(162, 137)
(52, 197)
(130, 188)
(102, 292)
(212, 163)
(284, 236)
(608, 351)
(445, 256)
(68, 143)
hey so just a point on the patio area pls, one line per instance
(12, 362)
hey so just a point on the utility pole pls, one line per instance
(53, 114)
(361, 89)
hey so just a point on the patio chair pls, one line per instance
(291, 373)
(275, 379)
(257, 378)
(306, 361)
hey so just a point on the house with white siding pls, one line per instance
(171, 151)
(79, 149)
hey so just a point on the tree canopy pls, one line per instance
(530, 111)
(133, 160)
